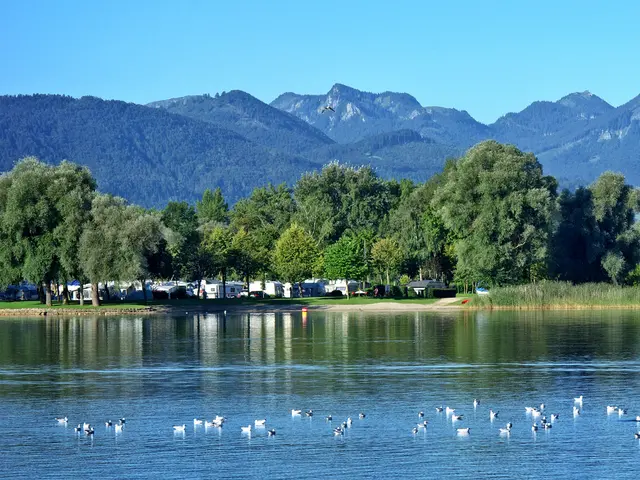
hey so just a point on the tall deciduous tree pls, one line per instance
(217, 244)
(295, 255)
(498, 206)
(344, 260)
(212, 208)
(387, 256)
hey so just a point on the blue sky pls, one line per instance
(487, 57)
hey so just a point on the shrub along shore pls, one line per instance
(559, 295)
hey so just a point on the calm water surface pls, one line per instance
(163, 371)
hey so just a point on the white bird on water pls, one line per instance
(576, 411)
(118, 427)
(260, 423)
(179, 428)
(197, 422)
(449, 410)
(463, 431)
(493, 415)
(62, 420)
(578, 400)
(295, 412)
(611, 409)
(476, 402)
(246, 429)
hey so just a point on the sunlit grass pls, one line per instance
(550, 294)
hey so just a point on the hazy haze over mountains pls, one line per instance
(174, 149)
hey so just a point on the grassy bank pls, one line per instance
(558, 295)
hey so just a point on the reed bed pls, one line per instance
(551, 294)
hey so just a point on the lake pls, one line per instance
(161, 371)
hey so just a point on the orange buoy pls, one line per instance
(304, 309)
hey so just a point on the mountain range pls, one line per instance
(174, 149)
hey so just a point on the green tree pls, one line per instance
(296, 255)
(101, 243)
(613, 264)
(212, 208)
(341, 198)
(344, 260)
(498, 207)
(217, 244)
(74, 189)
(248, 255)
(387, 256)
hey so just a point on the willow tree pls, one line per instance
(497, 205)
(43, 209)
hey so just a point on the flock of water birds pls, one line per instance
(537, 415)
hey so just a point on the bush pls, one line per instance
(443, 292)
(396, 292)
(335, 293)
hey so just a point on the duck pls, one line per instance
(246, 429)
(123, 421)
(578, 400)
(414, 430)
(295, 412)
(611, 409)
(637, 435)
(361, 415)
(197, 422)
(493, 414)
(555, 416)
(208, 424)
(260, 423)
(78, 428)
(420, 414)
(179, 428)
(505, 431)
(338, 431)
(534, 427)
(85, 426)
(463, 431)
(423, 424)
(309, 413)
(108, 423)
(349, 422)
(536, 413)
(622, 411)
(271, 432)
(547, 426)
(455, 418)
(62, 420)
(439, 409)
(541, 407)
(89, 432)
(329, 418)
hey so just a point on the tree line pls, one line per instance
(491, 216)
